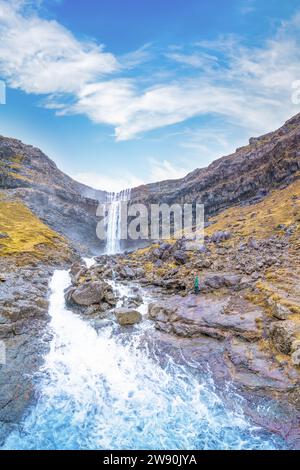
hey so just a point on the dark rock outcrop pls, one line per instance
(245, 176)
(65, 205)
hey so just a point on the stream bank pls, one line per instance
(120, 388)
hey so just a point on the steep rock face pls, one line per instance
(65, 205)
(247, 175)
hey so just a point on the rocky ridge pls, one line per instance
(269, 161)
(68, 207)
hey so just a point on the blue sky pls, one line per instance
(122, 92)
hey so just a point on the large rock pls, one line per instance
(126, 272)
(89, 293)
(127, 316)
(220, 236)
(180, 257)
(217, 281)
(283, 334)
(194, 316)
(278, 310)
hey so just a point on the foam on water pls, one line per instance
(105, 391)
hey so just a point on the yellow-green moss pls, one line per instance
(262, 219)
(27, 235)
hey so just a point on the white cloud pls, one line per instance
(248, 87)
(199, 60)
(247, 6)
(41, 56)
(165, 170)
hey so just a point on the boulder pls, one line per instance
(127, 273)
(90, 293)
(232, 280)
(194, 316)
(194, 245)
(220, 236)
(158, 263)
(139, 272)
(217, 281)
(252, 243)
(180, 257)
(75, 268)
(296, 357)
(283, 334)
(161, 313)
(203, 263)
(278, 310)
(127, 316)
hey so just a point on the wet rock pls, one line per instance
(99, 324)
(127, 316)
(283, 333)
(92, 292)
(99, 311)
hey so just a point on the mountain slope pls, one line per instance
(247, 175)
(65, 205)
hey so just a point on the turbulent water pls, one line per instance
(107, 391)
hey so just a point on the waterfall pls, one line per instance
(113, 241)
(109, 391)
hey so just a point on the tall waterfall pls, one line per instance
(113, 241)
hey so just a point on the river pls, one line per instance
(106, 390)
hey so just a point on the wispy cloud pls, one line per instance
(247, 6)
(165, 170)
(200, 60)
(247, 87)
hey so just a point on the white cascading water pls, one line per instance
(108, 391)
(113, 243)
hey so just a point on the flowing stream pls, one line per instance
(109, 390)
(106, 391)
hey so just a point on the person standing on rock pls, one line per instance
(196, 285)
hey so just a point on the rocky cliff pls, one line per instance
(247, 175)
(67, 206)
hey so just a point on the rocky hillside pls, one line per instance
(65, 205)
(244, 324)
(68, 207)
(247, 175)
